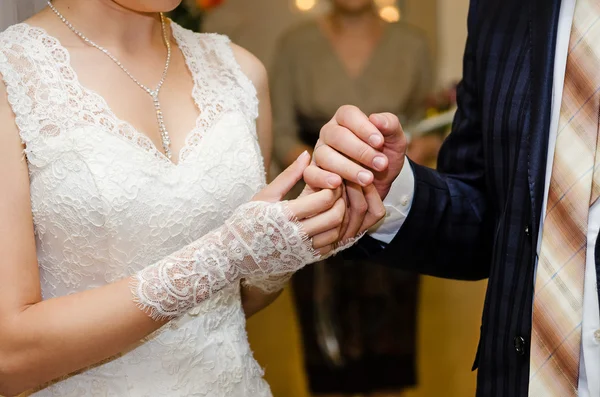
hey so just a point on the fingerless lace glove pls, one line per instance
(260, 240)
(274, 283)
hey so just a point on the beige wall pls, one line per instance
(452, 35)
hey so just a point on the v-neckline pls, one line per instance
(340, 62)
(142, 141)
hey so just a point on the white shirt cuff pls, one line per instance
(397, 205)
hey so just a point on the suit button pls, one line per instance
(519, 345)
(527, 231)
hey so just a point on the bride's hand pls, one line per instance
(321, 213)
(364, 210)
(364, 207)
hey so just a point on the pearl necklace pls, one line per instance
(166, 141)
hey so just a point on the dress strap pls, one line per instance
(231, 66)
(17, 70)
(30, 66)
(221, 84)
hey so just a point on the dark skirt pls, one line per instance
(358, 323)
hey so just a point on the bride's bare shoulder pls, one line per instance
(43, 19)
(251, 66)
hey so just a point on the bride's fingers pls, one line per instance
(318, 178)
(357, 209)
(327, 220)
(314, 204)
(376, 209)
(346, 220)
(325, 250)
(281, 185)
(326, 238)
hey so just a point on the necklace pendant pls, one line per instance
(167, 150)
(166, 141)
(164, 134)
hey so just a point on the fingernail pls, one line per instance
(364, 177)
(375, 140)
(303, 155)
(333, 181)
(379, 163)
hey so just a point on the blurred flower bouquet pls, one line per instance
(441, 102)
(426, 137)
(441, 108)
(189, 14)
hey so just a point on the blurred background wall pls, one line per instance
(451, 34)
(449, 311)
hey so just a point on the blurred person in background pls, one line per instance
(358, 322)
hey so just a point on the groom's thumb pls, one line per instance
(388, 124)
(287, 179)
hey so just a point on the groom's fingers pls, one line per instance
(388, 124)
(346, 142)
(358, 123)
(335, 162)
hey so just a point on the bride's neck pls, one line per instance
(112, 25)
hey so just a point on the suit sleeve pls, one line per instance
(449, 229)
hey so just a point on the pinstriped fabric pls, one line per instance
(558, 299)
(478, 215)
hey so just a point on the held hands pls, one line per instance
(319, 212)
(355, 162)
(359, 149)
(368, 153)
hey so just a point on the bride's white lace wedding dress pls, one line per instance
(106, 203)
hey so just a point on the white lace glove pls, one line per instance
(275, 283)
(259, 241)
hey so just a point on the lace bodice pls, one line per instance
(106, 203)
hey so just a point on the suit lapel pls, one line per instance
(544, 25)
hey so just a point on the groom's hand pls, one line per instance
(364, 150)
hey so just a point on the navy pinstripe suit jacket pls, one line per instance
(478, 216)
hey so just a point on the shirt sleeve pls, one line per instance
(397, 205)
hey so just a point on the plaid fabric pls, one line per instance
(558, 300)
